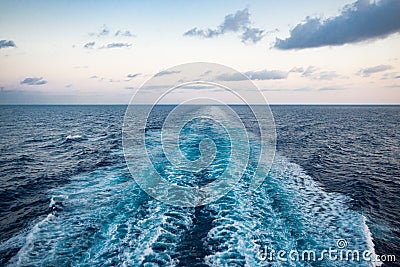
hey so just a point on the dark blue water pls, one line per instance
(68, 199)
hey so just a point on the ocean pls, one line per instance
(67, 197)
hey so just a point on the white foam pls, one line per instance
(370, 242)
(289, 206)
(74, 137)
(52, 202)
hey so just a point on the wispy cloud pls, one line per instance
(108, 34)
(313, 73)
(6, 44)
(166, 72)
(254, 75)
(309, 71)
(33, 81)
(89, 45)
(366, 72)
(297, 70)
(106, 31)
(359, 21)
(330, 89)
(238, 22)
(390, 75)
(116, 45)
(325, 75)
(124, 33)
(131, 76)
(267, 75)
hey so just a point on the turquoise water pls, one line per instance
(94, 214)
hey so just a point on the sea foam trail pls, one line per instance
(289, 211)
(104, 218)
(370, 242)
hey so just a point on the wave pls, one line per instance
(370, 243)
(76, 137)
(289, 212)
(104, 218)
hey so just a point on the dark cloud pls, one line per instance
(6, 44)
(360, 21)
(117, 45)
(166, 72)
(130, 87)
(131, 76)
(366, 72)
(93, 77)
(237, 23)
(89, 45)
(33, 81)
(254, 75)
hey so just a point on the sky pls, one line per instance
(295, 52)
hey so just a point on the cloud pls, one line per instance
(89, 45)
(390, 75)
(297, 70)
(366, 72)
(393, 86)
(309, 71)
(130, 87)
(254, 75)
(325, 75)
(131, 76)
(166, 72)
(237, 23)
(104, 31)
(267, 75)
(312, 73)
(330, 89)
(33, 81)
(116, 45)
(124, 33)
(200, 86)
(252, 34)
(360, 21)
(6, 44)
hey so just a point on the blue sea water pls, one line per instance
(68, 199)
